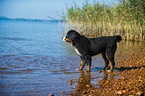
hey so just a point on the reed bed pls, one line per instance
(126, 18)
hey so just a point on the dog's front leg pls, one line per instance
(82, 63)
(88, 61)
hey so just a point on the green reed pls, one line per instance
(126, 18)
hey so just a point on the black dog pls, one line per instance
(88, 47)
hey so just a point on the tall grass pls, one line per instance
(126, 18)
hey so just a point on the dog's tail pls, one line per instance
(118, 38)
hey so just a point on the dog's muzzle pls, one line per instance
(66, 39)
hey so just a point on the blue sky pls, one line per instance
(37, 9)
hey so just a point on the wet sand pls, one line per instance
(131, 69)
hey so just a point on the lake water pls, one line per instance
(35, 61)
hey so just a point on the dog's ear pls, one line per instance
(75, 40)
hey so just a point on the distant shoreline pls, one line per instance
(24, 19)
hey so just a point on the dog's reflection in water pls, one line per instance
(106, 79)
(84, 82)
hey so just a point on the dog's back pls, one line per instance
(102, 44)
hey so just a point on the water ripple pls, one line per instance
(13, 38)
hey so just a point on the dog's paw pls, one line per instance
(108, 70)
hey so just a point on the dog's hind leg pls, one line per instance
(106, 60)
(111, 58)
(82, 63)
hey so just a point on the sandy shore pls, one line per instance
(131, 68)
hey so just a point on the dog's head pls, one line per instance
(72, 37)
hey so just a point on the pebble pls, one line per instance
(87, 85)
(62, 92)
(139, 93)
(51, 94)
(119, 92)
(69, 80)
(100, 71)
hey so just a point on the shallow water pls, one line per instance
(35, 61)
